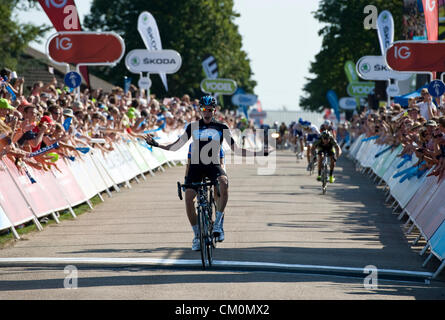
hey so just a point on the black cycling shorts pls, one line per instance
(330, 151)
(197, 173)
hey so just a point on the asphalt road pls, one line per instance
(284, 240)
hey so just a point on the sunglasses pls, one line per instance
(203, 109)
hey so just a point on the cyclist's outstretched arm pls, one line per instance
(181, 141)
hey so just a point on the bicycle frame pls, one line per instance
(204, 210)
(324, 172)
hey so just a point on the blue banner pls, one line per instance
(333, 100)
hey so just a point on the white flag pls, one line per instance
(210, 67)
(148, 29)
(385, 30)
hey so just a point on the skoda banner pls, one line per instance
(374, 68)
(385, 30)
(161, 61)
(360, 89)
(220, 86)
(148, 29)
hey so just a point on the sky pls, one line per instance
(280, 38)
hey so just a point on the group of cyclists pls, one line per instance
(205, 155)
(304, 135)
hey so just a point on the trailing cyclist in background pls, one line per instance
(329, 146)
(311, 134)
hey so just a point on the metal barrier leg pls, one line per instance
(427, 260)
(424, 250)
(401, 215)
(439, 270)
(416, 240)
(410, 229)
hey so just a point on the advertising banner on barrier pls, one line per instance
(85, 181)
(4, 221)
(68, 185)
(138, 158)
(31, 191)
(12, 200)
(433, 214)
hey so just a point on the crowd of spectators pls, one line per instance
(52, 115)
(413, 20)
(420, 129)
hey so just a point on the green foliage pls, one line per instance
(14, 36)
(344, 38)
(194, 28)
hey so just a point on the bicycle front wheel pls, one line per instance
(203, 237)
(324, 177)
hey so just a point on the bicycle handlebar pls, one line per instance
(197, 184)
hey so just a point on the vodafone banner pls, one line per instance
(385, 30)
(416, 56)
(85, 48)
(374, 68)
(148, 29)
(431, 12)
(63, 15)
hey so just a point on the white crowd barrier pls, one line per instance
(78, 181)
(419, 197)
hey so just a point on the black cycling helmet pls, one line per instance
(208, 101)
(325, 135)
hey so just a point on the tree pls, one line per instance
(15, 37)
(194, 28)
(344, 38)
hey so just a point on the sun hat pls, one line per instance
(68, 112)
(4, 104)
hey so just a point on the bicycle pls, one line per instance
(311, 165)
(324, 171)
(205, 207)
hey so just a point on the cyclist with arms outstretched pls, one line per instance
(208, 136)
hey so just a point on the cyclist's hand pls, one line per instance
(149, 139)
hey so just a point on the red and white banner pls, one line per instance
(416, 56)
(11, 200)
(64, 17)
(431, 12)
(86, 48)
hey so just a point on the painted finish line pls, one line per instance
(220, 265)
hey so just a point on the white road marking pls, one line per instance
(225, 264)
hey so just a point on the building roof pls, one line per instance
(34, 75)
